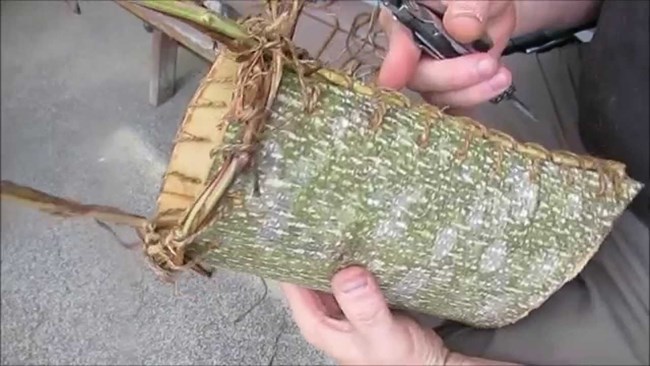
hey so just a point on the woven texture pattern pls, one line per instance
(452, 225)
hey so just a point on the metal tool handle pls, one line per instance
(507, 94)
(429, 34)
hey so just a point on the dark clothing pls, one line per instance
(601, 316)
(613, 93)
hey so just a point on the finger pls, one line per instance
(309, 313)
(330, 305)
(386, 20)
(466, 20)
(473, 95)
(362, 302)
(500, 30)
(453, 74)
(402, 57)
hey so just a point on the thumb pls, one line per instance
(402, 57)
(362, 302)
(465, 20)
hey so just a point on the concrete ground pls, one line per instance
(76, 123)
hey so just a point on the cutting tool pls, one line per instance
(429, 33)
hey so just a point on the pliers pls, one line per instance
(430, 35)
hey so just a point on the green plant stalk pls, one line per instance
(198, 15)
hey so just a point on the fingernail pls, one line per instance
(499, 81)
(355, 284)
(468, 14)
(486, 67)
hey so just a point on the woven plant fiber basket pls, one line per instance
(454, 220)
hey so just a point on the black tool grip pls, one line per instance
(507, 94)
(545, 40)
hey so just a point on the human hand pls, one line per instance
(459, 82)
(355, 326)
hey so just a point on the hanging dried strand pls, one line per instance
(115, 236)
(330, 37)
(353, 54)
(335, 30)
(257, 303)
(367, 76)
(371, 33)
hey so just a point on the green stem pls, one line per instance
(198, 15)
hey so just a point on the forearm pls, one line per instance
(535, 15)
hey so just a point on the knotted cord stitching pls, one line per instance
(258, 80)
(463, 150)
(165, 254)
(379, 113)
(424, 139)
(506, 142)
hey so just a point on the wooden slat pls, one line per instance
(164, 51)
(184, 33)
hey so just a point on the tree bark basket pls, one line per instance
(454, 220)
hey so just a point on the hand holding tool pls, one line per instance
(429, 33)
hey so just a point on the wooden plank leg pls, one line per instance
(163, 68)
(74, 5)
(187, 35)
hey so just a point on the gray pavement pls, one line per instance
(76, 122)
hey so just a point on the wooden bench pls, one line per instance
(167, 34)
